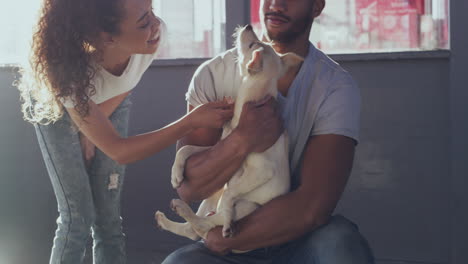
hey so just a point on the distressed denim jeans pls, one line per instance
(338, 242)
(88, 198)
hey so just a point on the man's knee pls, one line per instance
(340, 238)
(192, 253)
(337, 230)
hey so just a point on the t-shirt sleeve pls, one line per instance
(201, 89)
(340, 111)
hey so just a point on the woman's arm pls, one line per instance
(108, 107)
(98, 128)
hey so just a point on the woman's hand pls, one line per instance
(88, 149)
(211, 115)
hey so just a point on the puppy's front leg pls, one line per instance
(177, 175)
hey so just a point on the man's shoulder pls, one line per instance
(326, 63)
(328, 69)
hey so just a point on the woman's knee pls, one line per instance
(75, 227)
(77, 220)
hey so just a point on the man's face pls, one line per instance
(286, 20)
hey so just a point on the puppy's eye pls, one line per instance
(251, 45)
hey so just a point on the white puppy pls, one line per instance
(263, 176)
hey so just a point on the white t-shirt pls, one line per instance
(108, 85)
(323, 98)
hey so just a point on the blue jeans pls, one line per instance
(88, 198)
(338, 242)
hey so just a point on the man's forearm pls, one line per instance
(281, 220)
(208, 171)
(325, 170)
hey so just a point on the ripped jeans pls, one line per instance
(88, 198)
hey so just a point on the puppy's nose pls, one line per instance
(249, 27)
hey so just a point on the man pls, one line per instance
(320, 104)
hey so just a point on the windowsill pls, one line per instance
(178, 62)
(403, 55)
(378, 56)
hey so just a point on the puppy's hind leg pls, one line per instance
(181, 229)
(210, 204)
(201, 225)
(239, 185)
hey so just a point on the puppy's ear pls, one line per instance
(291, 59)
(256, 63)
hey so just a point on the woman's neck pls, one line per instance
(113, 61)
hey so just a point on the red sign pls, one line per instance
(389, 23)
(254, 11)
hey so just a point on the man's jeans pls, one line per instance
(338, 242)
(88, 199)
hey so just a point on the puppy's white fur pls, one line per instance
(263, 176)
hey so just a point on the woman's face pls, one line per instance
(139, 29)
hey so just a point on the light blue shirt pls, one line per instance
(323, 98)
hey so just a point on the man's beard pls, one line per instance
(297, 29)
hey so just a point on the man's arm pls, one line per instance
(207, 171)
(325, 170)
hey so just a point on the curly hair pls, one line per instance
(60, 64)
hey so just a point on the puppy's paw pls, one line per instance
(228, 231)
(176, 178)
(160, 219)
(181, 208)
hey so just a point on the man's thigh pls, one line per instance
(339, 241)
(197, 253)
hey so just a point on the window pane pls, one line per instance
(193, 31)
(350, 26)
(16, 22)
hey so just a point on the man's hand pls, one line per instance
(88, 149)
(260, 124)
(214, 241)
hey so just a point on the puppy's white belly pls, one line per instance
(275, 162)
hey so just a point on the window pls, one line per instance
(194, 31)
(356, 26)
(16, 20)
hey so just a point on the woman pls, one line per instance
(87, 56)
